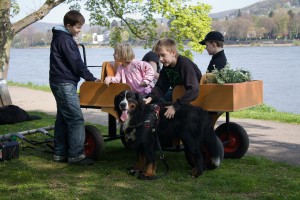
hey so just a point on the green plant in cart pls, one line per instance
(228, 75)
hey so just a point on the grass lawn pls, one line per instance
(35, 176)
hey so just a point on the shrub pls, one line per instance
(227, 75)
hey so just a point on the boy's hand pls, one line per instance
(147, 100)
(170, 113)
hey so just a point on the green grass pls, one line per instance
(265, 112)
(35, 176)
(31, 86)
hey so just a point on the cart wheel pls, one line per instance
(127, 144)
(94, 143)
(236, 142)
(207, 156)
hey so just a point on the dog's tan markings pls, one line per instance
(150, 171)
(131, 105)
(141, 163)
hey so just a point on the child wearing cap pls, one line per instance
(214, 42)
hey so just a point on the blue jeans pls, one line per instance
(69, 133)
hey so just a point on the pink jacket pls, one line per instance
(133, 74)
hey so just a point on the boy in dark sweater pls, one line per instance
(66, 69)
(177, 70)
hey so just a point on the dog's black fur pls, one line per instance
(192, 125)
(13, 114)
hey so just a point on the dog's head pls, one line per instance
(126, 103)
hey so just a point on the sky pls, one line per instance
(56, 14)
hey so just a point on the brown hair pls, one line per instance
(168, 44)
(73, 17)
(125, 52)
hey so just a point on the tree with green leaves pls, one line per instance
(188, 23)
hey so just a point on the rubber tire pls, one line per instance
(238, 140)
(94, 142)
(127, 145)
(207, 157)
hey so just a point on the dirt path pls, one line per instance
(273, 140)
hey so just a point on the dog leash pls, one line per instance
(162, 157)
(156, 109)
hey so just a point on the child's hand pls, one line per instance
(170, 112)
(107, 80)
(143, 84)
(147, 100)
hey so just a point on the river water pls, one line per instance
(278, 67)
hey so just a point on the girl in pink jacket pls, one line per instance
(138, 74)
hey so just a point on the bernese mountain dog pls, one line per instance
(192, 125)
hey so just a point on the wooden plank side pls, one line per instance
(99, 94)
(227, 97)
(215, 98)
(247, 95)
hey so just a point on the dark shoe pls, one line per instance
(83, 162)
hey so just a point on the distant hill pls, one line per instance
(263, 7)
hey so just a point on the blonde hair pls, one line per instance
(168, 44)
(125, 52)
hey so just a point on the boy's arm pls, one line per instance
(161, 87)
(191, 83)
(75, 62)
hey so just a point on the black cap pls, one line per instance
(213, 35)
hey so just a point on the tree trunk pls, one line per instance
(7, 33)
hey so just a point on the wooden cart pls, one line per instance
(217, 99)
